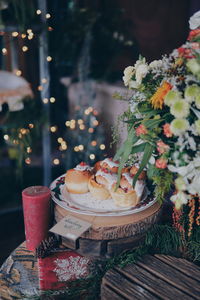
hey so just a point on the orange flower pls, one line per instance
(157, 99)
(161, 163)
(141, 129)
(162, 147)
(193, 34)
(167, 130)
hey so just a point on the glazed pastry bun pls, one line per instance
(98, 190)
(133, 171)
(110, 165)
(76, 180)
(125, 195)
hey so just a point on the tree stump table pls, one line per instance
(154, 277)
(108, 235)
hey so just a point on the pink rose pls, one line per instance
(141, 129)
(161, 163)
(162, 147)
(167, 130)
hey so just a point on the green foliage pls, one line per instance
(163, 182)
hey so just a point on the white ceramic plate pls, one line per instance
(88, 205)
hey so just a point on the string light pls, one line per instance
(50, 28)
(6, 137)
(56, 161)
(49, 58)
(102, 147)
(40, 88)
(24, 48)
(92, 156)
(19, 135)
(90, 108)
(95, 123)
(67, 123)
(18, 72)
(31, 125)
(93, 143)
(45, 100)
(81, 147)
(23, 131)
(82, 127)
(23, 35)
(15, 142)
(80, 121)
(60, 140)
(44, 80)
(15, 34)
(76, 148)
(28, 150)
(48, 16)
(38, 12)
(52, 100)
(29, 31)
(91, 130)
(28, 161)
(63, 146)
(53, 128)
(4, 51)
(95, 112)
(86, 112)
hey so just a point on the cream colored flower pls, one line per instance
(191, 92)
(128, 73)
(180, 184)
(140, 72)
(193, 66)
(171, 97)
(197, 126)
(179, 199)
(197, 101)
(195, 21)
(179, 126)
(133, 84)
(155, 64)
(180, 109)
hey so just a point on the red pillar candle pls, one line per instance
(36, 208)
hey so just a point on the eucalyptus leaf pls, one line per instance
(148, 150)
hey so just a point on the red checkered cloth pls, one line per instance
(58, 269)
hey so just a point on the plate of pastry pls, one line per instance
(92, 190)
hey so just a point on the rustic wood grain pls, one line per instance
(158, 287)
(107, 228)
(154, 278)
(182, 265)
(123, 287)
(172, 276)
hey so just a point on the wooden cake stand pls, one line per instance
(111, 235)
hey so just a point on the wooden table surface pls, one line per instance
(155, 277)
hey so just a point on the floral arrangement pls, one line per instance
(163, 121)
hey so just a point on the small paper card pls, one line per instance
(71, 228)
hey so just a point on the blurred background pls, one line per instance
(60, 64)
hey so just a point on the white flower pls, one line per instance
(128, 73)
(179, 199)
(133, 84)
(193, 187)
(197, 126)
(155, 64)
(180, 109)
(197, 101)
(191, 92)
(140, 72)
(193, 66)
(195, 21)
(171, 97)
(180, 184)
(179, 126)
